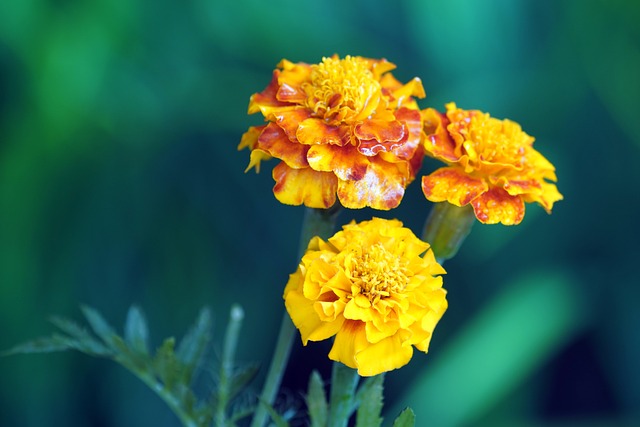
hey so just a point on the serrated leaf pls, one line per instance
(194, 343)
(241, 377)
(406, 419)
(317, 401)
(50, 344)
(370, 400)
(136, 331)
(85, 342)
(100, 327)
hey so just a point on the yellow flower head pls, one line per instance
(491, 164)
(342, 127)
(374, 286)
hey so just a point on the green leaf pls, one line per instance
(317, 401)
(406, 419)
(277, 419)
(241, 377)
(370, 400)
(101, 327)
(136, 332)
(194, 344)
(43, 345)
(166, 364)
(85, 342)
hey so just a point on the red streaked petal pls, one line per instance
(379, 135)
(346, 162)
(497, 206)
(314, 131)
(290, 120)
(304, 186)
(438, 143)
(267, 98)
(452, 185)
(274, 141)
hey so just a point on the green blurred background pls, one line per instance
(120, 184)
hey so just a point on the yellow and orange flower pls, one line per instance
(342, 127)
(373, 285)
(492, 165)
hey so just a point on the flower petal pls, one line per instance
(345, 161)
(304, 317)
(386, 355)
(379, 135)
(381, 187)
(274, 141)
(438, 142)
(290, 120)
(266, 101)
(314, 131)
(452, 185)
(304, 186)
(496, 205)
(349, 340)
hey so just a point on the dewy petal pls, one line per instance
(290, 120)
(313, 131)
(413, 137)
(386, 355)
(345, 161)
(381, 187)
(496, 205)
(274, 141)
(304, 186)
(452, 185)
(438, 143)
(547, 196)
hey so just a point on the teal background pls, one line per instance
(120, 184)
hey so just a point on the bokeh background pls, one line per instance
(120, 184)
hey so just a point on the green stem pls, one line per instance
(446, 228)
(341, 401)
(317, 222)
(226, 366)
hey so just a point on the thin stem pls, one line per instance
(446, 228)
(316, 222)
(226, 366)
(341, 402)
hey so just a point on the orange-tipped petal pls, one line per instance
(379, 135)
(290, 120)
(266, 100)
(274, 141)
(497, 206)
(438, 143)
(452, 185)
(304, 186)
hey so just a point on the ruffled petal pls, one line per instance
(547, 196)
(497, 206)
(304, 186)
(345, 161)
(386, 355)
(290, 120)
(266, 101)
(438, 142)
(452, 185)
(381, 187)
(379, 135)
(314, 131)
(274, 141)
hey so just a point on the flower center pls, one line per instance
(376, 272)
(342, 89)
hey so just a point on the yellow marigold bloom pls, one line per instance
(373, 286)
(492, 165)
(342, 127)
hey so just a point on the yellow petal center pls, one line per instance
(342, 89)
(375, 272)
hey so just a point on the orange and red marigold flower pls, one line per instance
(375, 287)
(492, 165)
(342, 127)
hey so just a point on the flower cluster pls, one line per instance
(343, 127)
(373, 285)
(346, 131)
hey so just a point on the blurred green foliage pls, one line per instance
(120, 184)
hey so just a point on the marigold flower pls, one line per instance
(343, 126)
(492, 165)
(373, 286)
